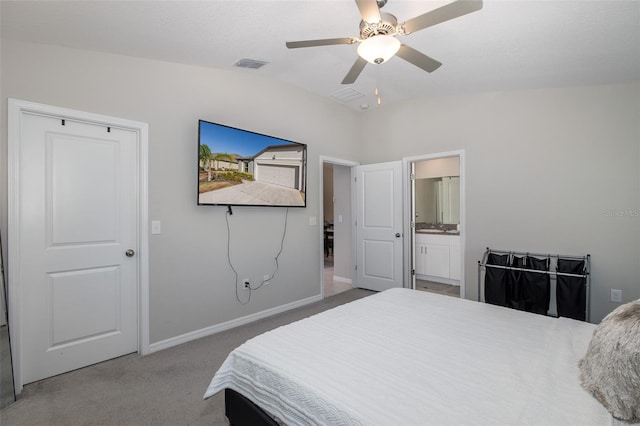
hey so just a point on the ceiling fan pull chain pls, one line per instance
(377, 91)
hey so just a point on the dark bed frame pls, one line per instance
(242, 412)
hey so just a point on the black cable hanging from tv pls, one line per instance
(228, 213)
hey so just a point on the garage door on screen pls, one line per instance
(287, 176)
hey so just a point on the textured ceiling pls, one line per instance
(517, 44)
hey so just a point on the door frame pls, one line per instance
(338, 162)
(409, 260)
(16, 109)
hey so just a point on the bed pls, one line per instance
(407, 357)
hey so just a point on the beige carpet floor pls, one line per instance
(164, 388)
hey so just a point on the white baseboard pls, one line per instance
(342, 279)
(208, 331)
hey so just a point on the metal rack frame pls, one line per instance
(552, 274)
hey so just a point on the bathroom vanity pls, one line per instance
(438, 256)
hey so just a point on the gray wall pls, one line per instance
(327, 191)
(342, 230)
(191, 284)
(551, 170)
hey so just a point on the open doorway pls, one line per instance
(437, 223)
(336, 226)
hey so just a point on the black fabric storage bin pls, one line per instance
(571, 292)
(515, 284)
(536, 287)
(495, 291)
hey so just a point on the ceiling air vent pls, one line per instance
(346, 95)
(250, 63)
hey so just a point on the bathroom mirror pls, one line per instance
(437, 200)
(7, 391)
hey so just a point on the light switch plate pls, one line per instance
(156, 228)
(312, 221)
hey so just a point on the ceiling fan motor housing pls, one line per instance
(386, 26)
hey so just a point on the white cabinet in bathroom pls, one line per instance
(421, 255)
(431, 258)
(455, 258)
(438, 256)
(437, 261)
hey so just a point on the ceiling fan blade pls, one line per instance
(442, 14)
(355, 71)
(418, 59)
(321, 42)
(369, 10)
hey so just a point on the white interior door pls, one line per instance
(379, 225)
(78, 219)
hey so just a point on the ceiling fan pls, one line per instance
(378, 31)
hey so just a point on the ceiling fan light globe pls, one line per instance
(378, 49)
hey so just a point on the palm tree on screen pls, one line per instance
(205, 160)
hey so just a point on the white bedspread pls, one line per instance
(406, 357)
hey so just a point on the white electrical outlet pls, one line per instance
(265, 280)
(616, 295)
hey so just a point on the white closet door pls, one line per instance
(78, 208)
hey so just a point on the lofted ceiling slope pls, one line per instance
(507, 45)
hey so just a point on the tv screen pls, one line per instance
(242, 168)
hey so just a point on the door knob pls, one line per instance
(397, 235)
(130, 253)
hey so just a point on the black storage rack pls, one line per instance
(581, 280)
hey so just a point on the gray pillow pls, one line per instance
(610, 370)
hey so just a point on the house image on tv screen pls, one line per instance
(275, 176)
(279, 165)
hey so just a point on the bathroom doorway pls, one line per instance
(436, 217)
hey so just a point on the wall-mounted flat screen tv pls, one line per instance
(241, 168)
